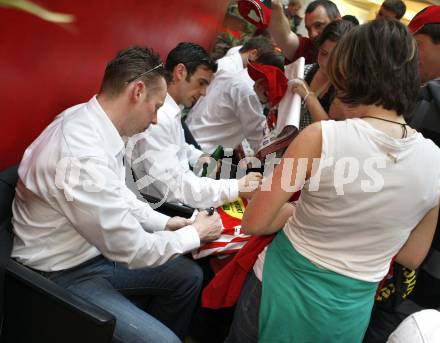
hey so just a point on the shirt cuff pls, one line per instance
(233, 190)
(189, 238)
(195, 155)
(158, 222)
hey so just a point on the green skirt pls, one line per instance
(301, 302)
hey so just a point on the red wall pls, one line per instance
(45, 68)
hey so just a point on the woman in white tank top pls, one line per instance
(370, 192)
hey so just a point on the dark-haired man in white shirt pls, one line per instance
(162, 158)
(77, 223)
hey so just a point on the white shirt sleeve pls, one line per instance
(250, 113)
(101, 212)
(150, 220)
(163, 160)
(193, 154)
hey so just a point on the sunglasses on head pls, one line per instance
(145, 72)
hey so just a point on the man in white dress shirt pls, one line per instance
(161, 157)
(77, 223)
(238, 60)
(231, 111)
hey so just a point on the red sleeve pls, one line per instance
(224, 289)
(305, 49)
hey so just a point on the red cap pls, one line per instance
(274, 80)
(429, 15)
(256, 12)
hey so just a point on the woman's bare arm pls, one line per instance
(414, 251)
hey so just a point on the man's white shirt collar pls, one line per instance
(172, 106)
(114, 142)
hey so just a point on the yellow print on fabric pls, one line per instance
(408, 286)
(235, 209)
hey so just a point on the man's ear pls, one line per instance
(266, 93)
(138, 90)
(252, 55)
(179, 72)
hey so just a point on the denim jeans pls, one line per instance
(244, 328)
(168, 292)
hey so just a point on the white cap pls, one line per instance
(420, 327)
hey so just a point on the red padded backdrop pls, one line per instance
(45, 68)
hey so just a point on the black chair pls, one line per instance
(166, 208)
(170, 209)
(34, 308)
